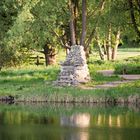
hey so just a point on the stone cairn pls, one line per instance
(74, 69)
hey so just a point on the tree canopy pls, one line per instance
(47, 26)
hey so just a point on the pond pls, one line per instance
(69, 122)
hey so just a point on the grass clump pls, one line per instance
(26, 81)
(127, 69)
(128, 66)
(35, 83)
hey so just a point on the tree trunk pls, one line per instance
(67, 51)
(101, 52)
(72, 25)
(91, 36)
(50, 58)
(108, 44)
(104, 46)
(84, 15)
(115, 48)
(76, 5)
(87, 50)
(138, 4)
(108, 51)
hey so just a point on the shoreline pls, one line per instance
(131, 99)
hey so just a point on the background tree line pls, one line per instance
(48, 26)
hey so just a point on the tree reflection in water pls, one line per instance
(80, 120)
(76, 120)
(84, 135)
(104, 124)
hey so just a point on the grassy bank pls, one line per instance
(35, 84)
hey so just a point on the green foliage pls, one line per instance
(127, 69)
(8, 13)
(95, 65)
(129, 66)
(30, 24)
(98, 78)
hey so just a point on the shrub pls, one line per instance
(129, 66)
(127, 69)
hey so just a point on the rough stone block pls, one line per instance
(74, 69)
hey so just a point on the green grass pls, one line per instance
(31, 84)
(122, 53)
(33, 81)
(25, 80)
(127, 69)
(128, 66)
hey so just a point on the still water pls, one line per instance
(69, 122)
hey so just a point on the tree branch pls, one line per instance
(84, 14)
(96, 23)
(52, 31)
(131, 6)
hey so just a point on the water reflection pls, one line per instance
(46, 123)
(79, 120)
(76, 120)
(76, 136)
(117, 121)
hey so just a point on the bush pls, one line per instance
(129, 66)
(127, 69)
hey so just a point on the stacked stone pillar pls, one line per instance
(74, 69)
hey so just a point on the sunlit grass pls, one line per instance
(36, 81)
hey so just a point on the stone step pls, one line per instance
(61, 81)
(66, 78)
(67, 83)
(67, 71)
(67, 68)
(65, 74)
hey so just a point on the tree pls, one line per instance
(113, 25)
(134, 7)
(8, 13)
(47, 26)
(86, 32)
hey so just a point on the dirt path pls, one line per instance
(125, 79)
(106, 72)
(124, 76)
(111, 84)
